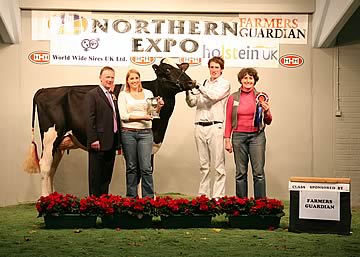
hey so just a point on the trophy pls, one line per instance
(152, 107)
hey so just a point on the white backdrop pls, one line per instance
(295, 144)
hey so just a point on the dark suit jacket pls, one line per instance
(99, 120)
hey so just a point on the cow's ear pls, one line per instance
(184, 66)
(155, 67)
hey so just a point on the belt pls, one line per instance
(207, 123)
(136, 130)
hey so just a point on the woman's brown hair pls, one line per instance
(251, 72)
(127, 87)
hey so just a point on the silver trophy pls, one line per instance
(153, 107)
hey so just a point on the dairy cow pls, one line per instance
(61, 120)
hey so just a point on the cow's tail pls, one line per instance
(31, 163)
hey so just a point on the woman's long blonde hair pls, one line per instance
(127, 87)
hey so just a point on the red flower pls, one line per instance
(110, 204)
(167, 206)
(56, 204)
(249, 206)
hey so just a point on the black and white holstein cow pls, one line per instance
(61, 119)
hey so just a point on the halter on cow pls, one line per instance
(61, 122)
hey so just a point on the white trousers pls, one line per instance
(210, 146)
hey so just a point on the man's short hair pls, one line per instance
(217, 59)
(106, 68)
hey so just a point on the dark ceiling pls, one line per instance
(350, 33)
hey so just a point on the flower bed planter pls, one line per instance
(254, 221)
(184, 221)
(132, 213)
(67, 211)
(69, 221)
(126, 221)
(250, 213)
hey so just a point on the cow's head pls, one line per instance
(174, 76)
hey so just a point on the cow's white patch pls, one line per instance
(47, 160)
(47, 157)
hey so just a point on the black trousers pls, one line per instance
(101, 165)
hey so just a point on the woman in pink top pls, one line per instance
(245, 123)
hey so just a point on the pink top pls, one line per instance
(245, 114)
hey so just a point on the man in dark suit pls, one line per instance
(103, 132)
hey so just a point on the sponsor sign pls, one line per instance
(289, 29)
(319, 205)
(242, 53)
(242, 40)
(89, 50)
(307, 186)
(291, 60)
(39, 57)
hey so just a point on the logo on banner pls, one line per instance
(68, 23)
(142, 60)
(87, 44)
(291, 60)
(39, 57)
(193, 61)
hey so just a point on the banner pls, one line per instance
(244, 40)
(117, 50)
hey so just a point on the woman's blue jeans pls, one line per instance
(137, 148)
(251, 145)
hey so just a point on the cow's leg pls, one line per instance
(47, 160)
(55, 163)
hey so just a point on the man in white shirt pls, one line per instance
(210, 103)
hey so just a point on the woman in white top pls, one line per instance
(136, 135)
